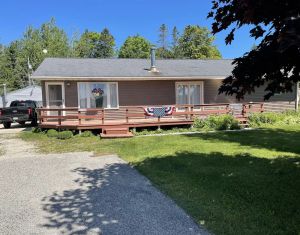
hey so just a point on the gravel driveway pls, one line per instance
(77, 193)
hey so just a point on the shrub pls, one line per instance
(64, 135)
(257, 119)
(52, 133)
(86, 134)
(217, 122)
(268, 118)
(36, 130)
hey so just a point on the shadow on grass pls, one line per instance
(232, 194)
(113, 200)
(272, 139)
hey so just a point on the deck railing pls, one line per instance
(129, 114)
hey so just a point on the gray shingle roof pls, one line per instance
(71, 67)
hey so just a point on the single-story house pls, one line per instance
(111, 84)
(129, 82)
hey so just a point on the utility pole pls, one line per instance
(4, 96)
(297, 96)
(29, 69)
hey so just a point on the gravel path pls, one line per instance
(76, 193)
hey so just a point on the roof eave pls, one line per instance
(72, 78)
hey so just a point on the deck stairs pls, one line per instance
(243, 121)
(116, 132)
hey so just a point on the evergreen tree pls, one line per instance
(175, 38)
(163, 45)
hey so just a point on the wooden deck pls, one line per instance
(134, 116)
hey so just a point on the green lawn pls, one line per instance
(232, 182)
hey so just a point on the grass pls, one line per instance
(232, 182)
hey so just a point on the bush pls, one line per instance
(217, 122)
(269, 119)
(36, 130)
(52, 133)
(64, 135)
(86, 134)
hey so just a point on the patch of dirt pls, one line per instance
(14, 147)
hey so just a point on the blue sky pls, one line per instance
(123, 18)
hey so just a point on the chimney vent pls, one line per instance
(153, 62)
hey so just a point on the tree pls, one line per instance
(175, 39)
(275, 62)
(163, 45)
(197, 43)
(95, 45)
(14, 59)
(135, 47)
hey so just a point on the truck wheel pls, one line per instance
(34, 122)
(7, 125)
(22, 123)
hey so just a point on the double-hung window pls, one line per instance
(98, 95)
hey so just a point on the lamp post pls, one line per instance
(4, 96)
(30, 81)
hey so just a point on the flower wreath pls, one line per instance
(97, 92)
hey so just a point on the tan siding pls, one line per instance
(71, 94)
(211, 95)
(259, 94)
(146, 93)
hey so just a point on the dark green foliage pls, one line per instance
(36, 130)
(135, 47)
(217, 122)
(52, 133)
(14, 58)
(95, 45)
(197, 43)
(275, 62)
(263, 119)
(63, 135)
(86, 134)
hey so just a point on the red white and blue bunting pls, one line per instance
(159, 111)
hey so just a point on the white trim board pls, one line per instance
(154, 78)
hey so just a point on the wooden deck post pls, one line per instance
(262, 107)
(244, 110)
(59, 115)
(192, 113)
(79, 118)
(103, 116)
(127, 119)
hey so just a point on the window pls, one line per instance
(98, 95)
(189, 93)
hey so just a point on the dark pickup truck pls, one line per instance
(20, 112)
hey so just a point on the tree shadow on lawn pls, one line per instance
(112, 200)
(272, 139)
(238, 194)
